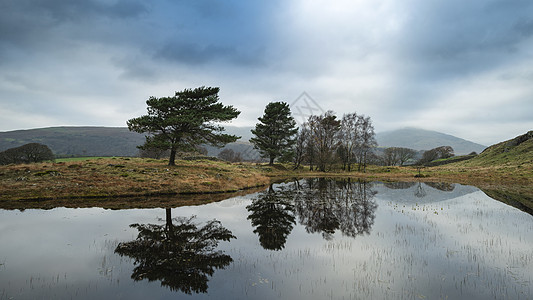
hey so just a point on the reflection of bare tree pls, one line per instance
(420, 192)
(326, 205)
(442, 186)
(273, 216)
(178, 253)
(399, 185)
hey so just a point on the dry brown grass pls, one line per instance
(120, 177)
(128, 180)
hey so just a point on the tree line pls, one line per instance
(191, 119)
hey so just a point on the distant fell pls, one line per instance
(77, 141)
(420, 139)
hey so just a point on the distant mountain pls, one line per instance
(420, 139)
(119, 141)
(102, 141)
(244, 132)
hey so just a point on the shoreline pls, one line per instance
(114, 180)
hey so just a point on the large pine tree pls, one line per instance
(274, 136)
(185, 121)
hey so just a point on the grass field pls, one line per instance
(117, 177)
(71, 159)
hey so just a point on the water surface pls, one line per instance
(307, 239)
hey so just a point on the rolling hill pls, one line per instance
(119, 141)
(77, 141)
(101, 141)
(420, 139)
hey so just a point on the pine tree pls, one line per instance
(274, 136)
(185, 121)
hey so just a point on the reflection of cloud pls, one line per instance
(426, 193)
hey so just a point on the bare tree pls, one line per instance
(367, 141)
(349, 139)
(300, 145)
(324, 129)
(397, 156)
(230, 155)
(390, 156)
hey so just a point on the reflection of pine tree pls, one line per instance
(179, 254)
(273, 216)
(326, 205)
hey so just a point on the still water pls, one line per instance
(306, 239)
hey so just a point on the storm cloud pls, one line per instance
(463, 68)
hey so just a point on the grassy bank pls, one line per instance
(99, 180)
(120, 177)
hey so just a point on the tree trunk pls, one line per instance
(172, 159)
(168, 223)
(271, 160)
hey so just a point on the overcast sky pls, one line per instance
(459, 67)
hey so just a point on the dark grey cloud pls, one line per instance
(194, 54)
(404, 63)
(72, 11)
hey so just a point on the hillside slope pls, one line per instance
(420, 139)
(514, 152)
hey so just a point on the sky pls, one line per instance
(459, 67)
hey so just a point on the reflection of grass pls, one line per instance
(522, 201)
(516, 177)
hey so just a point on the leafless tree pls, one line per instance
(397, 155)
(300, 145)
(349, 136)
(324, 129)
(367, 141)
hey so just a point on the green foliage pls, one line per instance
(184, 121)
(274, 136)
(29, 153)
(436, 153)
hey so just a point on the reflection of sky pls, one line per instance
(461, 246)
(431, 194)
